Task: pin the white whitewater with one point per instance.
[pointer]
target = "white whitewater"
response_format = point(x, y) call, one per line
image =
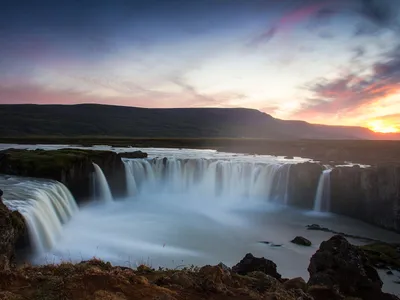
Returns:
point(102, 186)
point(130, 180)
point(323, 195)
point(209, 177)
point(45, 205)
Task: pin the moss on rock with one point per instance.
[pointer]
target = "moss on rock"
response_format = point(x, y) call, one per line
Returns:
point(383, 255)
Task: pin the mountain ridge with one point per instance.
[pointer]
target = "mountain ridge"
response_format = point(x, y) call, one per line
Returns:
point(112, 120)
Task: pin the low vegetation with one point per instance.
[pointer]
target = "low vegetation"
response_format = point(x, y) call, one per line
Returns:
point(336, 151)
point(42, 163)
point(383, 255)
point(96, 279)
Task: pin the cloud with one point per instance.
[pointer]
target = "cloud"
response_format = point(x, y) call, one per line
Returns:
point(189, 89)
point(359, 52)
point(317, 10)
point(116, 92)
point(326, 35)
point(381, 14)
point(344, 94)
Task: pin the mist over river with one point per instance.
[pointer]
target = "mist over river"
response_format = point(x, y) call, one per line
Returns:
point(192, 207)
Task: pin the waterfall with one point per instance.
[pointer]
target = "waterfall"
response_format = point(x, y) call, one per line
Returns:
point(323, 196)
point(102, 185)
point(209, 177)
point(45, 206)
point(130, 179)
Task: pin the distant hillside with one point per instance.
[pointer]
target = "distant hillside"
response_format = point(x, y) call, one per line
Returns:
point(107, 120)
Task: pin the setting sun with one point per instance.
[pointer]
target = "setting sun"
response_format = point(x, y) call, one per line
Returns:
point(383, 127)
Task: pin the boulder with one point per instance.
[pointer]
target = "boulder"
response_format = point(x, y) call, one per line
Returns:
point(299, 240)
point(320, 292)
point(295, 284)
point(338, 264)
point(251, 264)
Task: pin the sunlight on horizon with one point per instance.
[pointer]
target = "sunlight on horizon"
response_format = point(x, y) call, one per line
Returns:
point(382, 127)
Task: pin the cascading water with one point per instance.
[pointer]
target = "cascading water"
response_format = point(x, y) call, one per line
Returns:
point(323, 195)
point(45, 205)
point(102, 185)
point(208, 177)
point(130, 180)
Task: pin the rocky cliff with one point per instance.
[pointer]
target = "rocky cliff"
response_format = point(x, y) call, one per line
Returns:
point(370, 194)
point(303, 183)
point(72, 167)
point(12, 228)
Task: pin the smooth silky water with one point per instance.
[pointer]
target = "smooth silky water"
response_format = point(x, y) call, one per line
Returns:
point(197, 207)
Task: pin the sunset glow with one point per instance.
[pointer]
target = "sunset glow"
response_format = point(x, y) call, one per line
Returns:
point(330, 62)
point(382, 127)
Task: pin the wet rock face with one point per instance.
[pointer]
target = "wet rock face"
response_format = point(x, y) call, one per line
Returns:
point(252, 264)
point(338, 264)
point(72, 167)
point(303, 183)
point(114, 170)
point(12, 227)
point(370, 194)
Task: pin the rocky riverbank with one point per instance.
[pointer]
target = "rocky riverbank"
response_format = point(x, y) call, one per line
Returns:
point(338, 271)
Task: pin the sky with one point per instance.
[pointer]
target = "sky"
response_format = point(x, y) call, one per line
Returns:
point(331, 62)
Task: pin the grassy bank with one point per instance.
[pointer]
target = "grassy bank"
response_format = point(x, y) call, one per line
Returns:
point(360, 151)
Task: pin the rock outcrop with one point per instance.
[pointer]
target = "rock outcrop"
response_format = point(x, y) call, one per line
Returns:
point(255, 264)
point(299, 240)
point(303, 183)
point(134, 154)
point(369, 194)
point(72, 167)
point(338, 265)
point(12, 228)
point(95, 279)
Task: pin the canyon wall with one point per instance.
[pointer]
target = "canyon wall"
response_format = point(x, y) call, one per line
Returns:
point(303, 183)
point(369, 194)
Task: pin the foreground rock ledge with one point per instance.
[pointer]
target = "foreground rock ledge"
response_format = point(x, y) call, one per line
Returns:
point(97, 280)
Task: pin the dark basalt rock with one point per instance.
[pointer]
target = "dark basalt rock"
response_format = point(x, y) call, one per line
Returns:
point(339, 264)
point(72, 167)
point(12, 228)
point(369, 194)
point(303, 182)
point(134, 154)
point(324, 229)
point(299, 240)
point(252, 264)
